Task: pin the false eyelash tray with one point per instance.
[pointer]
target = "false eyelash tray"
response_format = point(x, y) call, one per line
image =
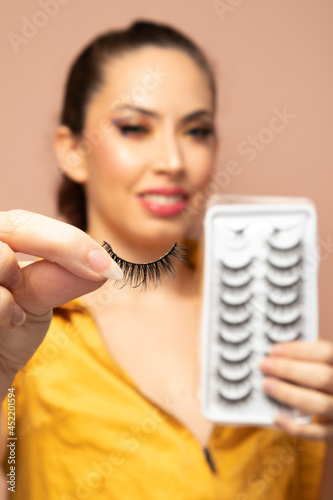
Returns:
point(260, 288)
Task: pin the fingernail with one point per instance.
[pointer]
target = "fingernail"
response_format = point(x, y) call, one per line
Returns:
point(269, 385)
point(101, 263)
point(19, 316)
point(266, 364)
point(277, 349)
point(281, 419)
point(17, 281)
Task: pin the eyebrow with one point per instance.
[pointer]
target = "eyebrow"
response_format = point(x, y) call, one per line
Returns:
point(191, 116)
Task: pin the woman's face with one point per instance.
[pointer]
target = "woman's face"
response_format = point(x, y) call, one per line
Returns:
point(148, 146)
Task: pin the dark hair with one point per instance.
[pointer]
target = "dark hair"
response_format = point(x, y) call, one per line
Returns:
point(86, 77)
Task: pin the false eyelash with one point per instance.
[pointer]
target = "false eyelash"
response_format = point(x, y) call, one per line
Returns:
point(236, 299)
point(293, 269)
point(272, 321)
point(236, 353)
point(234, 290)
point(283, 315)
point(294, 247)
point(233, 334)
point(236, 261)
point(234, 372)
point(282, 278)
point(285, 240)
point(235, 315)
point(235, 392)
point(283, 297)
point(234, 321)
point(284, 258)
point(239, 318)
point(238, 231)
point(236, 279)
point(140, 274)
point(283, 334)
point(238, 242)
point(234, 268)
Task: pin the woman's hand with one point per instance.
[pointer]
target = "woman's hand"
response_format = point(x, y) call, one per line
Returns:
point(73, 265)
point(309, 364)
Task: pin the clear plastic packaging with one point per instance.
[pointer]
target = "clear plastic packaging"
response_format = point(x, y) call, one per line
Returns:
point(260, 287)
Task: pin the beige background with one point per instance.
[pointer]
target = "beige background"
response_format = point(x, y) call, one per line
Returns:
point(269, 55)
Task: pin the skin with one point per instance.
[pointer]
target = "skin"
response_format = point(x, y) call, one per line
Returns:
point(113, 172)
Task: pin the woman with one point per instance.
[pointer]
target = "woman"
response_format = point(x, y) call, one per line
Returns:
point(108, 406)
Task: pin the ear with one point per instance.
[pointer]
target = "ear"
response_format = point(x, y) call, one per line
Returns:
point(70, 161)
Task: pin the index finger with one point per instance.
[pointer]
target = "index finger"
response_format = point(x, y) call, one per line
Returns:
point(57, 241)
point(321, 350)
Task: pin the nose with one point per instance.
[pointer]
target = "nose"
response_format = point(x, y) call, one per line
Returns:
point(168, 156)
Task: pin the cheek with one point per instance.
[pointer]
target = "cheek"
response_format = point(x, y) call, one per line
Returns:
point(114, 164)
point(201, 167)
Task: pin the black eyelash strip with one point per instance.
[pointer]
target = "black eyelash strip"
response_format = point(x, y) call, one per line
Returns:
point(137, 275)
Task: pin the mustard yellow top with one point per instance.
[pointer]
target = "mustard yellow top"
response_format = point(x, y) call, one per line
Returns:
point(84, 431)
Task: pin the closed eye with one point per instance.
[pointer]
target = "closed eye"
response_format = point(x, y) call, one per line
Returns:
point(200, 132)
point(197, 133)
point(132, 129)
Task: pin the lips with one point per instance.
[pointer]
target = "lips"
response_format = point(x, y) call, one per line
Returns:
point(164, 201)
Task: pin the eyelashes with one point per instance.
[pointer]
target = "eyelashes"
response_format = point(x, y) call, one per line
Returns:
point(236, 315)
point(287, 333)
point(201, 132)
point(234, 297)
point(235, 332)
point(283, 259)
point(234, 372)
point(283, 315)
point(235, 353)
point(137, 130)
point(288, 297)
point(279, 306)
point(137, 275)
point(235, 392)
point(132, 129)
point(236, 278)
point(284, 278)
point(286, 240)
point(260, 289)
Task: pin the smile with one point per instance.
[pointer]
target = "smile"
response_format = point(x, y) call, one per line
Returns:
point(164, 204)
point(163, 199)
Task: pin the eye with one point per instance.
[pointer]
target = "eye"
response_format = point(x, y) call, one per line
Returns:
point(132, 129)
point(200, 132)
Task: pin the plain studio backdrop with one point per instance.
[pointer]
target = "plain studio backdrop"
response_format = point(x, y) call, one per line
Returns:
point(272, 58)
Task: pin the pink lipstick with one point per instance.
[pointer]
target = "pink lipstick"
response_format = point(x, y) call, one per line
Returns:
point(164, 201)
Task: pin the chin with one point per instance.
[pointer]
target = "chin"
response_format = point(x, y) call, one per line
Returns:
point(160, 235)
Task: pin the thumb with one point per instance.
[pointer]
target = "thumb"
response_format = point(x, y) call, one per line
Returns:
point(46, 285)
